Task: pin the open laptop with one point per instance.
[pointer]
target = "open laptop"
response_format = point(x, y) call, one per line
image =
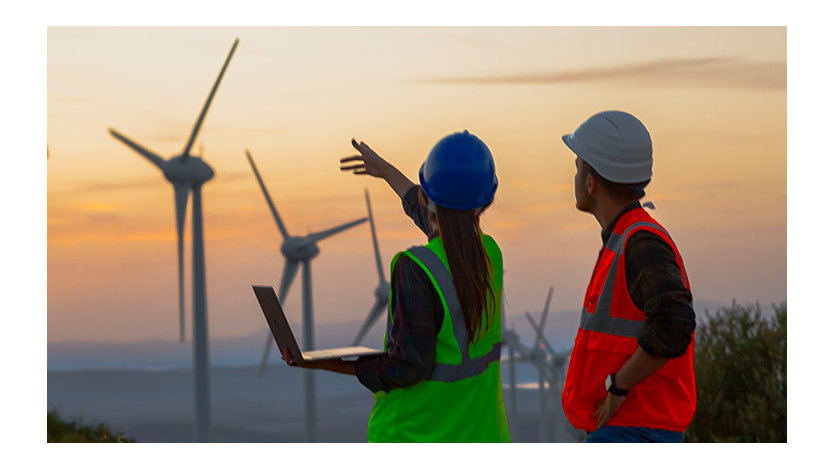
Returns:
point(285, 339)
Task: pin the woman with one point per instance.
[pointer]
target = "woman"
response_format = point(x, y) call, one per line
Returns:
point(440, 379)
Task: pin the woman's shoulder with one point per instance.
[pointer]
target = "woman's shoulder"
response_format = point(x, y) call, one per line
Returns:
point(403, 262)
point(490, 243)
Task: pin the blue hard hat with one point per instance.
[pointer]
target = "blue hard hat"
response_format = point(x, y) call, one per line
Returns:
point(459, 172)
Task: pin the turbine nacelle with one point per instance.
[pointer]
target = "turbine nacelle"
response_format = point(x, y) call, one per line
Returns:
point(538, 353)
point(187, 170)
point(382, 291)
point(298, 249)
point(510, 337)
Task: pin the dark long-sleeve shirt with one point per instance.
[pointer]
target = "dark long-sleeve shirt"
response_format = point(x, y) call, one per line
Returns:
point(417, 318)
point(654, 283)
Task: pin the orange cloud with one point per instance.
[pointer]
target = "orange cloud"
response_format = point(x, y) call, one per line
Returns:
point(713, 72)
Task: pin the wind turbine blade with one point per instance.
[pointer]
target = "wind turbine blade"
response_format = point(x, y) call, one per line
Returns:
point(152, 157)
point(546, 306)
point(318, 236)
point(536, 328)
point(290, 270)
point(376, 311)
point(265, 359)
point(540, 329)
point(275, 215)
point(373, 234)
point(199, 122)
point(180, 203)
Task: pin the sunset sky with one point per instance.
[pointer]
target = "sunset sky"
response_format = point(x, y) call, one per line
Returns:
point(713, 99)
point(741, 158)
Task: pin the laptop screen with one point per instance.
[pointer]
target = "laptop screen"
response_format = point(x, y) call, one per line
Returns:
point(277, 321)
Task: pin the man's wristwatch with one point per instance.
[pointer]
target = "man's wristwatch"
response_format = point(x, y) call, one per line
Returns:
point(611, 386)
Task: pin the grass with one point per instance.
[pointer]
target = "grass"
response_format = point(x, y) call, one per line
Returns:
point(61, 430)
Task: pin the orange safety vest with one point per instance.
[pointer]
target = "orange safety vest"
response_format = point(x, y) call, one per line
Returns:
point(607, 337)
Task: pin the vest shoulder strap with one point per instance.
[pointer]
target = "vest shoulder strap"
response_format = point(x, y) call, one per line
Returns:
point(442, 279)
point(601, 320)
point(616, 242)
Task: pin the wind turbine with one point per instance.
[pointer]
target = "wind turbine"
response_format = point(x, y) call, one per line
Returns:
point(297, 250)
point(512, 342)
point(557, 359)
point(188, 173)
point(539, 358)
point(382, 290)
point(557, 365)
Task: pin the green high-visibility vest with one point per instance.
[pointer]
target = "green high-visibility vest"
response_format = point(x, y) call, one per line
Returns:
point(463, 399)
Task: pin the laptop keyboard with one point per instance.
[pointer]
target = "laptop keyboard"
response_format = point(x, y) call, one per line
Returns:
point(322, 353)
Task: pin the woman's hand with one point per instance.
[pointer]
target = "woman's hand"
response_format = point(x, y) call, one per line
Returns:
point(285, 354)
point(333, 365)
point(369, 162)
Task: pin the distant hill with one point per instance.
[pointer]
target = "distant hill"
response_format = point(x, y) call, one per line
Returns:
point(560, 330)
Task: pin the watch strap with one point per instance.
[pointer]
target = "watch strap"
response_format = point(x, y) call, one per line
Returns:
point(611, 385)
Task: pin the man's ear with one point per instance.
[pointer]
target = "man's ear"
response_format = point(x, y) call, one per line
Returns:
point(591, 184)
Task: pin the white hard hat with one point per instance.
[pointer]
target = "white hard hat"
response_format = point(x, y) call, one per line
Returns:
point(616, 144)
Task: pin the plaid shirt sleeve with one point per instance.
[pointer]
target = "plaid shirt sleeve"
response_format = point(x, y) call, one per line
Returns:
point(655, 285)
point(417, 316)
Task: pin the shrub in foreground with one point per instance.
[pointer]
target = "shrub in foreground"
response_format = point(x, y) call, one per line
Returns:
point(741, 376)
point(60, 430)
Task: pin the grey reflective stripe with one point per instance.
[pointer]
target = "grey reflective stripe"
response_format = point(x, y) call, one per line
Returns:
point(601, 321)
point(616, 242)
point(444, 281)
point(469, 367)
point(604, 323)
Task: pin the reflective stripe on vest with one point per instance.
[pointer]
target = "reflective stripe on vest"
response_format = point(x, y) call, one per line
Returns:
point(469, 367)
point(601, 321)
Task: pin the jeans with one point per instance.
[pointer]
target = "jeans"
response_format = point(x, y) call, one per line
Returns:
point(633, 434)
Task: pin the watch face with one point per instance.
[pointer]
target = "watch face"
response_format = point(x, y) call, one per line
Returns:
point(607, 382)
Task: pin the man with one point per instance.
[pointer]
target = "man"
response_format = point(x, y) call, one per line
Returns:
point(630, 376)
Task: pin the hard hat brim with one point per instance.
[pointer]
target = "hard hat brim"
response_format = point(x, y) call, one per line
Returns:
point(616, 145)
point(568, 140)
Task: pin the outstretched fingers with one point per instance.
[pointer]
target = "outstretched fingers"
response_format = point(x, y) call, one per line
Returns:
point(346, 166)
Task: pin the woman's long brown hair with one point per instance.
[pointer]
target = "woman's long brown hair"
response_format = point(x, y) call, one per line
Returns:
point(469, 264)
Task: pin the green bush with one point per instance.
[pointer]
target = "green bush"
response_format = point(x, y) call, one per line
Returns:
point(741, 376)
point(59, 430)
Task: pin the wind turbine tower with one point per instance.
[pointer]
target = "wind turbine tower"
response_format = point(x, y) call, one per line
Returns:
point(382, 290)
point(539, 359)
point(297, 250)
point(187, 173)
point(512, 342)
